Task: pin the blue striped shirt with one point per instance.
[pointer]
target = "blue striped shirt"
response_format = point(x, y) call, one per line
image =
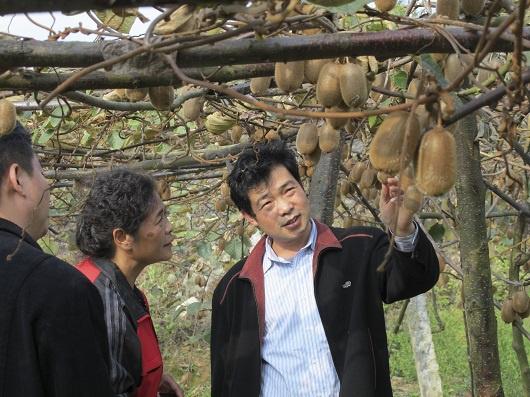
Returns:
point(296, 359)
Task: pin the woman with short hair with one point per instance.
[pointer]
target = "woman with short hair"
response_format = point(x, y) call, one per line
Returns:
point(123, 228)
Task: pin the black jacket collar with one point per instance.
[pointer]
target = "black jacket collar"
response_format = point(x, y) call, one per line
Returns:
point(10, 227)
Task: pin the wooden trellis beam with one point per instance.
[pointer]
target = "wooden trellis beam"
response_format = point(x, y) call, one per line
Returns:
point(384, 44)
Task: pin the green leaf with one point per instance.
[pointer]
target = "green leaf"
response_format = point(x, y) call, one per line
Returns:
point(372, 121)
point(437, 232)
point(204, 249)
point(400, 79)
point(233, 248)
point(115, 141)
point(46, 136)
point(193, 308)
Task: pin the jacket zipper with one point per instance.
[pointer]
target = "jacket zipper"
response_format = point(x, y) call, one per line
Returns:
point(373, 358)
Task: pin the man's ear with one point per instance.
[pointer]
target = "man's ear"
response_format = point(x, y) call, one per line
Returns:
point(14, 178)
point(249, 218)
point(122, 240)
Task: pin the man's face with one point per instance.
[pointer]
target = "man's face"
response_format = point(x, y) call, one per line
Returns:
point(281, 209)
point(37, 192)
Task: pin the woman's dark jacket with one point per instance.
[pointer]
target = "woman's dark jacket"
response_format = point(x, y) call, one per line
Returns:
point(349, 293)
point(53, 340)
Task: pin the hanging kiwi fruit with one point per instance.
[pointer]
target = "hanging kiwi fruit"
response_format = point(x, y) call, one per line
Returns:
point(472, 7)
point(385, 150)
point(8, 117)
point(328, 138)
point(136, 94)
point(353, 85)
point(336, 123)
point(328, 85)
point(454, 64)
point(235, 133)
point(289, 75)
point(436, 162)
point(508, 315)
point(161, 97)
point(312, 69)
point(260, 85)
point(307, 138)
point(448, 8)
point(520, 301)
point(357, 171)
point(385, 5)
point(413, 199)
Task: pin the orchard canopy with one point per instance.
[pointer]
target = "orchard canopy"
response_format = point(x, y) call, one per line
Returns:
point(435, 92)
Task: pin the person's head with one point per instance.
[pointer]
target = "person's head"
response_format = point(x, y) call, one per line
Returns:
point(265, 186)
point(24, 191)
point(123, 214)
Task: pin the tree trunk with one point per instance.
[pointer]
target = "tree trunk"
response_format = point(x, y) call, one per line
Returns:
point(323, 188)
point(423, 348)
point(474, 254)
point(517, 336)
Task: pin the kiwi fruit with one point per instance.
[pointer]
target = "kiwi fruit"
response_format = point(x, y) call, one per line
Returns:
point(345, 188)
point(448, 8)
point(8, 117)
point(508, 315)
point(385, 5)
point(310, 171)
point(520, 301)
point(307, 138)
point(312, 69)
point(526, 313)
point(413, 199)
point(454, 64)
point(259, 85)
point(272, 135)
point(336, 123)
point(406, 177)
point(386, 148)
point(235, 133)
point(353, 85)
point(163, 189)
point(328, 138)
point(225, 190)
point(368, 178)
point(301, 170)
point(312, 158)
point(357, 171)
point(136, 94)
point(289, 75)
point(436, 162)
point(472, 7)
point(221, 204)
point(328, 85)
point(191, 109)
point(161, 97)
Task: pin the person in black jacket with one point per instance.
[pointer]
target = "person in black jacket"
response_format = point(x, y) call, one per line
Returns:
point(52, 333)
point(302, 315)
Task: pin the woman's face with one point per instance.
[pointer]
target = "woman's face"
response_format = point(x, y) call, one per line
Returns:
point(152, 243)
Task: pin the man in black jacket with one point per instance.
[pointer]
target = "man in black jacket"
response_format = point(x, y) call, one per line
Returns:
point(52, 333)
point(303, 314)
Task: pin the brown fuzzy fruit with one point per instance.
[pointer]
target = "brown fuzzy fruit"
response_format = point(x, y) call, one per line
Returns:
point(472, 7)
point(259, 85)
point(310, 171)
point(163, 189)
point(161, 97)
point(413, 199)
point(436, 164)
point(406, 178)
point(191, 109)
point(328, 138)
point(272, 135)
point(8, 117)
point(312, 69)
point(382, 177)
point(526, 313)
point(289, 75)
point(368, 178)
point(353, 85)
point(385, 5)
point(336, 122)
point(508, 315)
point(312, 158)
point(386, 148)
point(448, 8)
point(520, 301)
point(328, 85)
point(221, 205)
point(345, 188)
point(454, 64)
point(357, 171)
point(235, 133)
point(136, 94)
point(307, 138)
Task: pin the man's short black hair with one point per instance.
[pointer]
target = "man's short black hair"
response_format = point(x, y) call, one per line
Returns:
point(119, 199)
point(15, 148)
point(254, 167)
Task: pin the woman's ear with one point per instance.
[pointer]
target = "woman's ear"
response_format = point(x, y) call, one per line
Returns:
point(122, 240)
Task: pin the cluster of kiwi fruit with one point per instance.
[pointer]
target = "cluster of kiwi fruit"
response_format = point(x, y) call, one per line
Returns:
point(160, 97)
point(517, 305)
point(451, 8)
point(8, 117)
